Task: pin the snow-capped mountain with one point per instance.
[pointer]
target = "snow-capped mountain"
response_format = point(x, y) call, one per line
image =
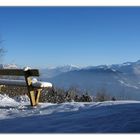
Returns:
point(8, 66)
point(51, 72)
point(121, 80)
point(127, 67)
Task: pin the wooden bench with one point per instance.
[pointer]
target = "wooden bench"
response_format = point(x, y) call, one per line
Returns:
point(34, 86)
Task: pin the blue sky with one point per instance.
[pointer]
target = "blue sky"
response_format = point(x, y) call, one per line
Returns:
point(52, 36)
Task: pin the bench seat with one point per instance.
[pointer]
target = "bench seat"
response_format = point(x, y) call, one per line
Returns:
point(35, 84)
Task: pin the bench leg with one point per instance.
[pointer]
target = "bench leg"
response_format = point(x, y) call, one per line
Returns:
point(32, 98)
point(37, 96)
point(33, 95)
point(30, 89)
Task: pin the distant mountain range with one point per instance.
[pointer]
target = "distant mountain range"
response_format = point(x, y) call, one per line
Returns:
point(51, 72)
point(121, 80)
point(8, 66)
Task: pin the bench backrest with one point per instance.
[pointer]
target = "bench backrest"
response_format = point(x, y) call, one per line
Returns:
point(19, 72)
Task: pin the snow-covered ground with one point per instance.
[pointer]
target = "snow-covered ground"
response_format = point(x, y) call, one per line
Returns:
point(16, 116)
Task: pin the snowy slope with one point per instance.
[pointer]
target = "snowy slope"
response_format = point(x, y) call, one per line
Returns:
point(106, 117)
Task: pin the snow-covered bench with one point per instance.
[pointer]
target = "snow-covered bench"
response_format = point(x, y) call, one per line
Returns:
point(33, 85)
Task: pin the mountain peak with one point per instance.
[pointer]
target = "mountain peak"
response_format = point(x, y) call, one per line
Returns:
point(9, 66)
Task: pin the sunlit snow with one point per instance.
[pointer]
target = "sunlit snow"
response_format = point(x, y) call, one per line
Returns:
point(17, 116)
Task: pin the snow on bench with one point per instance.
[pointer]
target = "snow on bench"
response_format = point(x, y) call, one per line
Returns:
point(35, 83)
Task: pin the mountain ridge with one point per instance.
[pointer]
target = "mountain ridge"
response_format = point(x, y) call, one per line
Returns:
point(121, 80)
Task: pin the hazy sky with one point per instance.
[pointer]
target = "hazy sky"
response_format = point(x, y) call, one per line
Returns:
point(52, 36)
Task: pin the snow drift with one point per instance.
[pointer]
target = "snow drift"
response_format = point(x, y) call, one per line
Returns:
point(16, 116)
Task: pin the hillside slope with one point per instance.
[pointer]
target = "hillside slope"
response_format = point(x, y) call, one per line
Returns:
point(115, 83)
point(105, 117)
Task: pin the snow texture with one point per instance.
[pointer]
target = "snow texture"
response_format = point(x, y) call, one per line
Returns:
point(35, 83)
point(16, 116)
point(26, 68)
